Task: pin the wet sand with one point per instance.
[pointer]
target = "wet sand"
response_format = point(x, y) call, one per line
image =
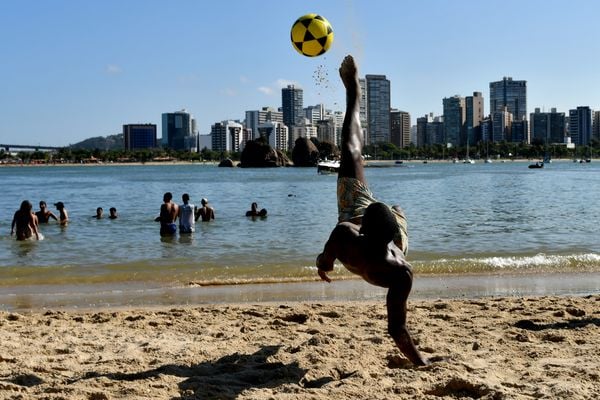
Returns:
point(485, 348)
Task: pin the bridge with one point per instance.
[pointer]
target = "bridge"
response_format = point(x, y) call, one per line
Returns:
point(16, 147)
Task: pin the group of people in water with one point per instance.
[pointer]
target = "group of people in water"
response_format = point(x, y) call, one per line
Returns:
point(25, 223)
point(188, 214)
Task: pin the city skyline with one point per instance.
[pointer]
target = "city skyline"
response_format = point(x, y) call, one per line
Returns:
point(74, 71)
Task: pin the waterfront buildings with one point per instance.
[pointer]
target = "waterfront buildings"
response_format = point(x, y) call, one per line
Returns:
point(473, 118)
point(511, 94)
point(227, 136)
point(378, 108)
point(501, 125)
point(400, 128)
point(139, 136)
point(292, 99)
point(547, 127)
point(304, 130)
point(580, 126)
point(276, 134)
point(596, 125)
point(257, 117)
point(178, 131)
point(454, 120)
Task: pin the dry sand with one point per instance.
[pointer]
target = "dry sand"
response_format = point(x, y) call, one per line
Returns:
point(489, 348)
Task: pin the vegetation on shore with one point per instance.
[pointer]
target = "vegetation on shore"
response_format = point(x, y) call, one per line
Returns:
point(380, 151)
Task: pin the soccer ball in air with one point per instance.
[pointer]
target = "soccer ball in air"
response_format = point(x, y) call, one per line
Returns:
point(311, 35)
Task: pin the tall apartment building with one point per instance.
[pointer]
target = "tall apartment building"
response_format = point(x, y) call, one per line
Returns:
point(511, 94)
point(473, 118)
point(314, 113)
point(139, 136)
point(454, 120)
point(257, 117)
point(501, 125)
point(400, 128)
point(327, 130)
point(227, 136)
point(364, 121)
point(580, 125)
point(292, 99)
point(378, 108)
point(520, 131)
point(305, 130)
point(178, 130)
point(547, 127)
point(276, 133)
point(596, 125)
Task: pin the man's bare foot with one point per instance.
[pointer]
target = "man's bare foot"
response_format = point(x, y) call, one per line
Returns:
point(348, 73)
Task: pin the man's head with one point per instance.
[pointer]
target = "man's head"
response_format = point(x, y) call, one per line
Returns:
point(185, 197)
point(42, 204)
point(204, 202)
point(379, 223)
point(167, 197)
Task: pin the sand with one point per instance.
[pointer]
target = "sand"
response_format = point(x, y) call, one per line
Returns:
point(486, 348)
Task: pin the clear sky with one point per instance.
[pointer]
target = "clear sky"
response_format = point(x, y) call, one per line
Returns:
point(71, 69)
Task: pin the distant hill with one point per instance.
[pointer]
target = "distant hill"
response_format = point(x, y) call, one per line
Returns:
point(111, 142)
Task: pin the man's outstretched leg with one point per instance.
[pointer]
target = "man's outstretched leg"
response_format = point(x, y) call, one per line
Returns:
point(352, 137)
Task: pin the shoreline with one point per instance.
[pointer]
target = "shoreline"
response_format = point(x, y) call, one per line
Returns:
point(376, 163)
point(425, 287)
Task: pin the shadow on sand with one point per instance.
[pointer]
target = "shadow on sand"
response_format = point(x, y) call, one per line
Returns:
point(224, 378)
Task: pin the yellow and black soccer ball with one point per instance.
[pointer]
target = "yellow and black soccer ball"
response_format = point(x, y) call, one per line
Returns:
point(311, 35)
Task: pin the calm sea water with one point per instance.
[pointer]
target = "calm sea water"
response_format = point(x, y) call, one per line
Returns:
point(482, 218)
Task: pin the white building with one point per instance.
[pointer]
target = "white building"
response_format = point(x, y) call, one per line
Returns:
point(276, 134)
point(304, 130)
point(227, 136)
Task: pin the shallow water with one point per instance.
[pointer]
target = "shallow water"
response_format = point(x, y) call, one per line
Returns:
point(482, 218)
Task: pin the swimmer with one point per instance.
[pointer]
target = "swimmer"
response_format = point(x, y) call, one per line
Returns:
point(168, 215)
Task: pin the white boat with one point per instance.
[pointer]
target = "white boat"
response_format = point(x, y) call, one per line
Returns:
point(328, 167)
point(488, 160)
point(468, 161)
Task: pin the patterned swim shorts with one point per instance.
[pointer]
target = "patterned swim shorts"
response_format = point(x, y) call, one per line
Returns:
point(353, 199)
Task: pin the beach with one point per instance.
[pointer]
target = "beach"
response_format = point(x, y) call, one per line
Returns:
point(484, 348)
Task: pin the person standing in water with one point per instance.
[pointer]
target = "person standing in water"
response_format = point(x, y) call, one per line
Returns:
point(186, 215)
point(25, 222)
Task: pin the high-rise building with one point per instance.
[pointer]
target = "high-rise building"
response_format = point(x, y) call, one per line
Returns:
point(378, 108)
point(292, 105)
point(400, 128)
point(305, 130)
point(501, 125)
point(177, 130)
point(596, 125)
point(139, 136)
point(473, 118)
point(257, 117)
point(454, 120)
point(314, 113)
point(520, 131)
point(422, 129)
point(580, 125)
point(547, 127)
point(363, 114)
point(276, 134)
point(327, 130)
point(227, 136)
point(511, 94)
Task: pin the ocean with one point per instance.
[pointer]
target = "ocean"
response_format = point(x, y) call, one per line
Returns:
point(494, 221)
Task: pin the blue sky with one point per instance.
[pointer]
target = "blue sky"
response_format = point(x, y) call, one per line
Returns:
point(70, 70)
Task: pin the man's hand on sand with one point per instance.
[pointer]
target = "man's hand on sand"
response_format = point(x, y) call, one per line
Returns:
point(324, 276)
point(322, 268)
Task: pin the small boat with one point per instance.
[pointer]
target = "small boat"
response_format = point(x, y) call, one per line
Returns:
point(468, 161)
point(328, 167)
point(538, 164)
point(488, 160)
